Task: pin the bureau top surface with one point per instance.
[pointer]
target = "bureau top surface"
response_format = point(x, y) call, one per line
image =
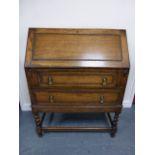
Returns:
point(69, 48)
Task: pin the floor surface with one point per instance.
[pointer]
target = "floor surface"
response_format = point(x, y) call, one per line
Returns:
point(78, 143)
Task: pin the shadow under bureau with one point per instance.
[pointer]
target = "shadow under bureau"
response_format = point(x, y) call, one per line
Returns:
point(76, 70)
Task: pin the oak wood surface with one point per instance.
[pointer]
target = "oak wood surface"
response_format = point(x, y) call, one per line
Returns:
point(79, 129)
point(102, 79)
point(69, 47)
point(76, 70)
point(77, 48)
point(74, 78)
point(75, 109)
point(77, 98)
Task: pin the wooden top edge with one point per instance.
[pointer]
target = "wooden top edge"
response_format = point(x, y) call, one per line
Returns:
point(76, 30)
point(37, 28)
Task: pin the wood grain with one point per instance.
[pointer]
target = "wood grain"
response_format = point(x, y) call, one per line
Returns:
point(111, 97)
point(67, 47)
point(77, 48)
point(74, 71)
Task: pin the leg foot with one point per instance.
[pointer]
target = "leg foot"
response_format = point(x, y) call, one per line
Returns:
point(39, 131)
point(113, 134)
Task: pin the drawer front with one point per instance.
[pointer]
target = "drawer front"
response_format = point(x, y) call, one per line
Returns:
point(77, 79)
point(78, 98)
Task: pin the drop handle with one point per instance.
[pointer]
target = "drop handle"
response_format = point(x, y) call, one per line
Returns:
point(50, 80)
point(104, 81)
point(101, 99)
point(51, 99)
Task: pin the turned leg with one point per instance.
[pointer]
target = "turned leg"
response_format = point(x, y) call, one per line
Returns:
point(114, 124)
point(38, 123)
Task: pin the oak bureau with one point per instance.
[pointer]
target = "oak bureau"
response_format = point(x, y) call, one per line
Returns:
point(76, 70)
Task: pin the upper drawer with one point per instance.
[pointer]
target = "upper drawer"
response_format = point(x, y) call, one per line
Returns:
point(49, 79)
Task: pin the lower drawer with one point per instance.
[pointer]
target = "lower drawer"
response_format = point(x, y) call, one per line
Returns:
point(109, 97)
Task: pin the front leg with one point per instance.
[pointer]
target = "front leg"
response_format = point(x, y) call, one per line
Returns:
point(38, 123)
point(114, 124)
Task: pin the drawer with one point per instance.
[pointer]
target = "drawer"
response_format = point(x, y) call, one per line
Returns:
point(111, 97)
point(77, 79)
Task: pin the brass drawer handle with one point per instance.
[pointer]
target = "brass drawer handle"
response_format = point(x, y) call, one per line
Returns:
point(101, 99)
point(50, 81)
point(51, 99)
point(104, 81)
